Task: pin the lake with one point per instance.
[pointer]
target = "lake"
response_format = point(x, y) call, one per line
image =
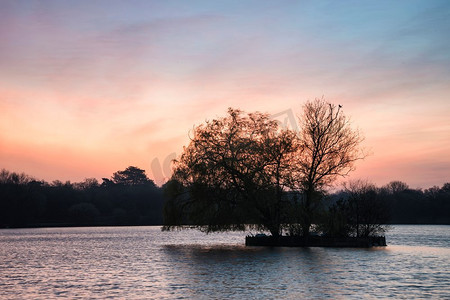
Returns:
point(145, 263)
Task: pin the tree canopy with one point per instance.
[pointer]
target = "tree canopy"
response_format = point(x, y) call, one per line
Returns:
point(236, 168)
point(131, 176)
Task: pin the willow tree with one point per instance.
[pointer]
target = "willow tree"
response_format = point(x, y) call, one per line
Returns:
point(328, 149)
point(234, 172)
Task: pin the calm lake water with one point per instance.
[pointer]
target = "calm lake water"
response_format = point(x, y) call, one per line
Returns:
point(145, 263)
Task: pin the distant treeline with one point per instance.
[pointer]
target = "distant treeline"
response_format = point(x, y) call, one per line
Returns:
point(414, 206)
point(129, 197)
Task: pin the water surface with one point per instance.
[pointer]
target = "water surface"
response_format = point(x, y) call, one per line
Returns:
point(143, 263)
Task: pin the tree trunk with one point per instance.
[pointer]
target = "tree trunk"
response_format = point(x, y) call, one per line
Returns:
point(306, 218)
point(275, 232)
point(306, 225)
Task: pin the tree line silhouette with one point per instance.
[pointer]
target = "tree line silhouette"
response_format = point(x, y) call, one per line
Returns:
point(27, 202)
point(239, 171)
point(129, 197)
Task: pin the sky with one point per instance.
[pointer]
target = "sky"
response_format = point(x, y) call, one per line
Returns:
point(88, 88)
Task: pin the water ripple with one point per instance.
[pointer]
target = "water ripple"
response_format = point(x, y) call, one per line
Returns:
point(145, 263)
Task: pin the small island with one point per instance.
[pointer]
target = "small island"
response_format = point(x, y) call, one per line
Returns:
point(315, 241)
point(245, 171)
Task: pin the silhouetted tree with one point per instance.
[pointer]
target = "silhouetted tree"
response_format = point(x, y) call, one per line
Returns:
point(131, 176)
point(367, 212)
point(329, 147)
point(107, 182)
point(396, 186)
point(446, 187)
point(88, 183)
point(7, 177)
point(235, 169)
point(334, 221)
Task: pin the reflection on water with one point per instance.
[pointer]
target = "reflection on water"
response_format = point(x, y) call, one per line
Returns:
point(143, 262)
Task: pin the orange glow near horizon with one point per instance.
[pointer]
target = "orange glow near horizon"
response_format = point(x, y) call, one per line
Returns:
point(87, 92)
